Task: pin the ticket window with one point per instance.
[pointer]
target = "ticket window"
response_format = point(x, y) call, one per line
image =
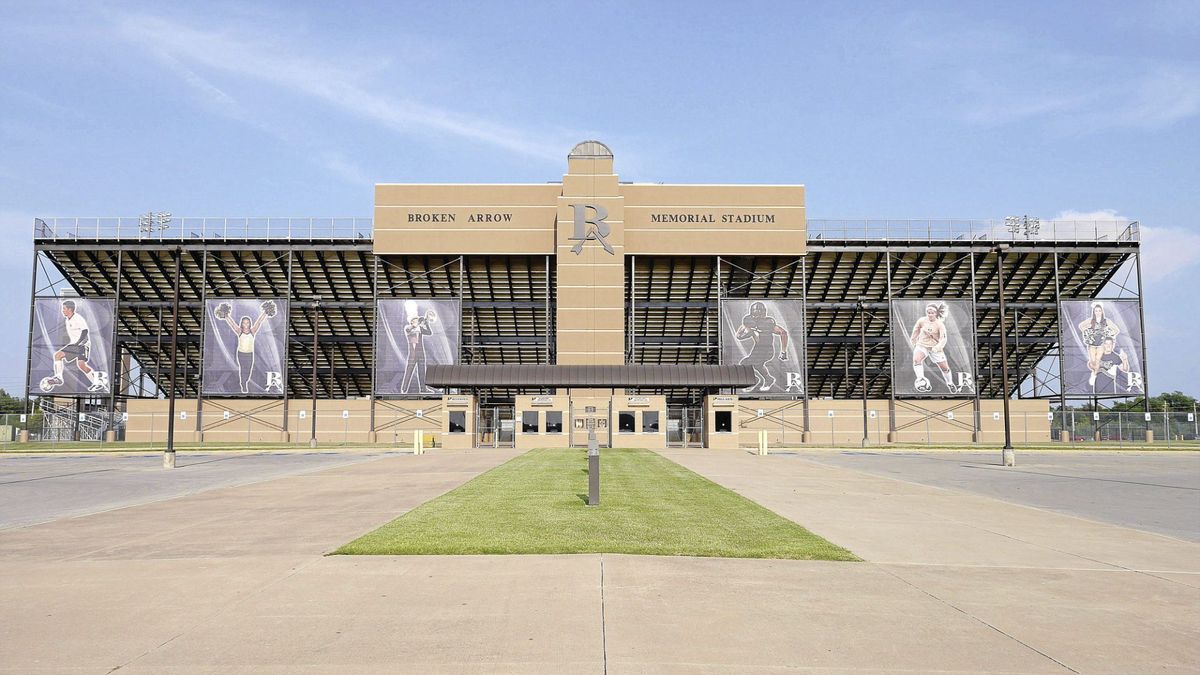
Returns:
point(554, 422)
point(723, 424)
point(649, 421)
point(626, 421)
point(529, 422)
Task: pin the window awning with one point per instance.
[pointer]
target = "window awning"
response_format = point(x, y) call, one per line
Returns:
point(547, 375)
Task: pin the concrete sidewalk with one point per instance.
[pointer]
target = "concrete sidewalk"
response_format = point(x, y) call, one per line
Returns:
point(234, 579)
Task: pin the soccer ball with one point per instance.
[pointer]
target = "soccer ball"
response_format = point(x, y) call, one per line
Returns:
point(45, 384)
point(923, 386)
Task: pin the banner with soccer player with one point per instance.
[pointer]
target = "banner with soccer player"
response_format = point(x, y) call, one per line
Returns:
point(766, 335)
point(71, 353)
point(933, 347)
point(1102, 347)
point(245, 346)
point(410, 336)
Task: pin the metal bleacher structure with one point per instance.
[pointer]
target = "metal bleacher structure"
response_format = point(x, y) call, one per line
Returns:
point(851, 268)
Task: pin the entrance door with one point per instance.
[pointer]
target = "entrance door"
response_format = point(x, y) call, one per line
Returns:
point(685, 427)
point(495, 426)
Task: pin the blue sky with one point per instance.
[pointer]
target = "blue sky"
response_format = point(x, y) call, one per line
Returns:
point(890, 110)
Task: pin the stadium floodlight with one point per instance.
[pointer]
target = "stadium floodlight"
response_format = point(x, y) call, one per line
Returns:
point(154, 221)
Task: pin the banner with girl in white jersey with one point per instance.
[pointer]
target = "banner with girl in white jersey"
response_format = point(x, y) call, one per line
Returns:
point(245, 346)
point(933, 347)
point(71, 353)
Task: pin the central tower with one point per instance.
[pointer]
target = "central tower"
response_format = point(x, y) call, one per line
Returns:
point(590, 258)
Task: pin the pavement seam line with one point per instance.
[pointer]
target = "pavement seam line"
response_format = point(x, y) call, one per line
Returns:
point(603, 623)
point(975, 618)
point(227, 606)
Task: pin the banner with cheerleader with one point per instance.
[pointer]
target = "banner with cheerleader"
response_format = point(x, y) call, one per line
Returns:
point(245, 347)
point(933, 347)
point(71, 353)
point(768, 336)
point(1101, 348)
point(411, 335)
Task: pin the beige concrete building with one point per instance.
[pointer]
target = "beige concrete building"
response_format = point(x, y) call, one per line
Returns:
point(652, 314)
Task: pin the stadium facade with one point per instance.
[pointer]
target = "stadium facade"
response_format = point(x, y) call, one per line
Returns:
point(530, 314)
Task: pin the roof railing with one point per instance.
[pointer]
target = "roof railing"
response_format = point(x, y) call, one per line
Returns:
point(348, 228)
point(1009, 229)
point(185, 228)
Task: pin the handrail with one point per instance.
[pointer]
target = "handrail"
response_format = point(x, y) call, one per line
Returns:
point(184, 228)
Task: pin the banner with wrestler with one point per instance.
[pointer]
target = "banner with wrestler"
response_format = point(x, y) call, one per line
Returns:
point(71, 353)
point(1102, 347)
point(410, 336)
point(933, 347)
point(245, 346)
point(766, 335)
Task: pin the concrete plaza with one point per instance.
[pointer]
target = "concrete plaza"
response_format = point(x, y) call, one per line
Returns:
point(217, 577)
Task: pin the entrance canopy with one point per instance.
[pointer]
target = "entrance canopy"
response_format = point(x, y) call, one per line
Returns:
point(590, 376)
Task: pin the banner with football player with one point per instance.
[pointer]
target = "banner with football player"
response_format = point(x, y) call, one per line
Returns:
point(245, 346)
point(1102, 347)
point(766, 335)
point(71, 353)
point(410, 336)
point(933, 347)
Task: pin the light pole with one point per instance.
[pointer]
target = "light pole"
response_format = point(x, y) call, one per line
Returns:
point(316, 306)
point(862, 336)
point(169, 453)
point(1008, 456)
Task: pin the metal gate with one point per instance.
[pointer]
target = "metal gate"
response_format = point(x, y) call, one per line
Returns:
point(495, 426)
point(685, 427)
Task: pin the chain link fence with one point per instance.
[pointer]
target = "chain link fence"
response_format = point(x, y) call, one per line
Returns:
point(1086, 426)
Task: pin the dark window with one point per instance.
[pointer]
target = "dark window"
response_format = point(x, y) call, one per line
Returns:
point(625, 422)
point(649, 421)
point(458, 422)
point(554, 421)
point(724, 421)
point(529, 422)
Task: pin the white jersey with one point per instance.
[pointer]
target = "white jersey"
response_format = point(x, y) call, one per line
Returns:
point(75, 327)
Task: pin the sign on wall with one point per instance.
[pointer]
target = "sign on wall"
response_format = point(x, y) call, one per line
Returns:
point(71, 350)
point(766, 335)
point(1102, 347)
point(933, 347)
point(245, 346)
point(410, 336)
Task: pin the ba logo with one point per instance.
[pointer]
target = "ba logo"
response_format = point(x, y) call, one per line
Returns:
point(591, 226)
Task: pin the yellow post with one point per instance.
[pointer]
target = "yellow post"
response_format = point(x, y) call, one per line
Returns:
point(417, 442)
point(762, 442)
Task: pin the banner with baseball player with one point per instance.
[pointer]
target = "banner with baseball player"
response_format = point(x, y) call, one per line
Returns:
point(71, 353)
point(933, 347)
point(766, 335)
point(410, 336)
point(1102, 347)
point(245, 346)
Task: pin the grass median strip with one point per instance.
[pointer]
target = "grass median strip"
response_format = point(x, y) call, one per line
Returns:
point(536, 503)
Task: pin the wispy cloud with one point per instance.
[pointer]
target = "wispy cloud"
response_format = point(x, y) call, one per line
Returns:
point(1166, 251)
point(267, 59)
point(995, 77)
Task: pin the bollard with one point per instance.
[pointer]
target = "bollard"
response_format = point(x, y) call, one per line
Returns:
point(593, 469)
point(762, 442)
point(417, 442)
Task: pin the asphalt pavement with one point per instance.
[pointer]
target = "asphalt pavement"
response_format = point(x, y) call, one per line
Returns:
point(1151, 491)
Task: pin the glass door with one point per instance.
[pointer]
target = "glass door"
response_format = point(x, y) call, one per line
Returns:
point(685, 427)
